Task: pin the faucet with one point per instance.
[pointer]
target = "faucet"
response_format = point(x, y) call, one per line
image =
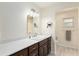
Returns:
point(35, 34)
point(29, 35)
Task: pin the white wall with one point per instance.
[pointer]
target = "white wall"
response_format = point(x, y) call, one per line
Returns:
point(47, 16)
point(37, 21)
point(14, 20)
point(50, 11)
point(0, 28)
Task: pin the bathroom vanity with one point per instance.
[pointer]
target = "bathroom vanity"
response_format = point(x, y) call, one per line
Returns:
point(39, 46)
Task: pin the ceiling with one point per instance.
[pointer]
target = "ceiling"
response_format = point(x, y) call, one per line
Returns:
point(44, 4)
point(56, 4)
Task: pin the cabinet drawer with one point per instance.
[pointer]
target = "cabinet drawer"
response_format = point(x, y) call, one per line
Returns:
point(43, 42)
point(34, 53)
point(33, 47)
point(23, 52)
point(45, 49)
point(41, 51)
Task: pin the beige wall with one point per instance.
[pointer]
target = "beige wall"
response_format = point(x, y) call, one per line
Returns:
point(47, 16)
point(60, 29)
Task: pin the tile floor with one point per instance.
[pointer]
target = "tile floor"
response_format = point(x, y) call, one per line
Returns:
point(64, 51)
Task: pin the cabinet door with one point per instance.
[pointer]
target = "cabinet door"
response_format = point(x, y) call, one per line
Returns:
point(49, 45)
point(43, 42)
point(41, 51)
point(34, 53)
point(33, 50)
point(23, 52)
point(45, 50)
point(43, 47)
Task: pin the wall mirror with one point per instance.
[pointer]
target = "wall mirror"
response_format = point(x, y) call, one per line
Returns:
point(33, 23)
point(29, 24)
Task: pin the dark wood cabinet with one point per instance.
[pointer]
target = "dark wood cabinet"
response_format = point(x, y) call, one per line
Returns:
point(45, 49)
point(23, 52)
point(33, 50)
point(41, 51)
point(41, 48)
point(49, 45)
point(34, 53)
point(43, 42)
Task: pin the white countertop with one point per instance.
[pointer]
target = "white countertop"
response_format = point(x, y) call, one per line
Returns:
point(14, 46)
